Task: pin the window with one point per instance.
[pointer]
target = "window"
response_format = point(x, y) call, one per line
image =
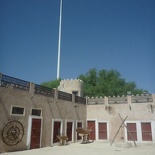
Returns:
point(17, 110)
point(75, 93)
point(146, 131)
point(132, 130)
point(36, 112)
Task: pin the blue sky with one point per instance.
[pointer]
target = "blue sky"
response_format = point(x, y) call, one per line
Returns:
point(101, 34)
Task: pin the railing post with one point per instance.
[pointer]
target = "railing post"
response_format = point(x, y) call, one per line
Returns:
point(86, 100)
point(32, 88)
point(129, 99)
point(106, 100)
point(1, 77)
point(153, 96)
point(73, 98)
point(56, 93)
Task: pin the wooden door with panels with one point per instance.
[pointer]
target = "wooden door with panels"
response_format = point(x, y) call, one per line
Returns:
point(69, 130)
point(102, 130)
point(56, 131)
point(132, 128)
point(91, 125)
point(146, 131)
point(79, 125)
point(35, 133)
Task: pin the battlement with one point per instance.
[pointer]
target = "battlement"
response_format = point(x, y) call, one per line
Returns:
point(144, 98)
point(74, 86)
point(71, 80)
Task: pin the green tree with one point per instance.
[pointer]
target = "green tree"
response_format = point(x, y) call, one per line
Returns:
point(102, 83)
point(51, 84)
point(107, 83)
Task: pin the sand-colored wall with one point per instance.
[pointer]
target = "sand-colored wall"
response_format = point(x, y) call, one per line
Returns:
point(71, 85)
point(107, 109)
point(133, 112)
point(52, 108)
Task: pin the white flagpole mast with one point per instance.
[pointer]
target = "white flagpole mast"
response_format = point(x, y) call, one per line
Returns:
point(59, 42)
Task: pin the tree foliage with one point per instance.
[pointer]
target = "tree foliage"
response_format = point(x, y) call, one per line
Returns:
point(102, 83)
point(107, 83)
point(51, 84)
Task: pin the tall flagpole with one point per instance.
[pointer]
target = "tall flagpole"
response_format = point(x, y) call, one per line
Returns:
point(59, 42)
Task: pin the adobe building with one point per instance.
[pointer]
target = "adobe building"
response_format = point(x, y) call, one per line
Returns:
point(133, 117)
point(32, 116)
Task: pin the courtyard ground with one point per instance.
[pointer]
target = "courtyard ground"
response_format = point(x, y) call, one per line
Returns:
point(95, 148)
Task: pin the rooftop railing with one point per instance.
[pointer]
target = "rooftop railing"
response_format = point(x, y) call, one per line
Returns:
point(14, 82)
point(42, 90)
point(64, 96)
point(79, 99)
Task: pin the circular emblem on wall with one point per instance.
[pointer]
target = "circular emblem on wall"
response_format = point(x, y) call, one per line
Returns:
point(12, 133)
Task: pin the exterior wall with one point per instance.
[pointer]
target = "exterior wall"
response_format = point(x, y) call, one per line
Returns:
point(71, 85)
point(108, 110)
point(52, 109)
point(55, 105)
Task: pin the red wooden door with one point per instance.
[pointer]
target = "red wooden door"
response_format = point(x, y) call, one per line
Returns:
point(102, 127)
point(69, 131)
point(146, 131)
point(133, 130)
point(79, 125)
point(91, 125)
point(56, 131)
point(35, 133)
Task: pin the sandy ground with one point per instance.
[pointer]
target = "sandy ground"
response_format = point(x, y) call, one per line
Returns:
point(95, 148)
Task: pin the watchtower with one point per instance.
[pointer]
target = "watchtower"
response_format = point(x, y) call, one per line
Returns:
point(72, 86)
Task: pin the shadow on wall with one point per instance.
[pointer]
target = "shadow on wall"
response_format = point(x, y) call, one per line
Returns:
point(76, 107)
point(49, 104)
point(3, 108)
point(59, 109)
point(32, 100)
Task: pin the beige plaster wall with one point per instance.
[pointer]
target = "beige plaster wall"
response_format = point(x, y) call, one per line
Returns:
point(71, 85)
point(52, 108)
point(134, 111)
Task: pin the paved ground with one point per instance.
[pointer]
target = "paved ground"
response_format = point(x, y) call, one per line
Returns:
point(95, 148)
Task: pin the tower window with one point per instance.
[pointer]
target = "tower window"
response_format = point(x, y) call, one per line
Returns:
point(75, 93)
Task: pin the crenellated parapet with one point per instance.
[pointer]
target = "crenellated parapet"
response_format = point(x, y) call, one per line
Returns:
point(96, 100)
point(143, 98)
point(117, 100)
point(74, 86)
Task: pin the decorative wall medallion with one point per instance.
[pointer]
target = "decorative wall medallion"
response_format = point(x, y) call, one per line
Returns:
point(12, 133)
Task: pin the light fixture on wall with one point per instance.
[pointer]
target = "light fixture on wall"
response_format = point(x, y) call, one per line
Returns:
point(108, 108)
